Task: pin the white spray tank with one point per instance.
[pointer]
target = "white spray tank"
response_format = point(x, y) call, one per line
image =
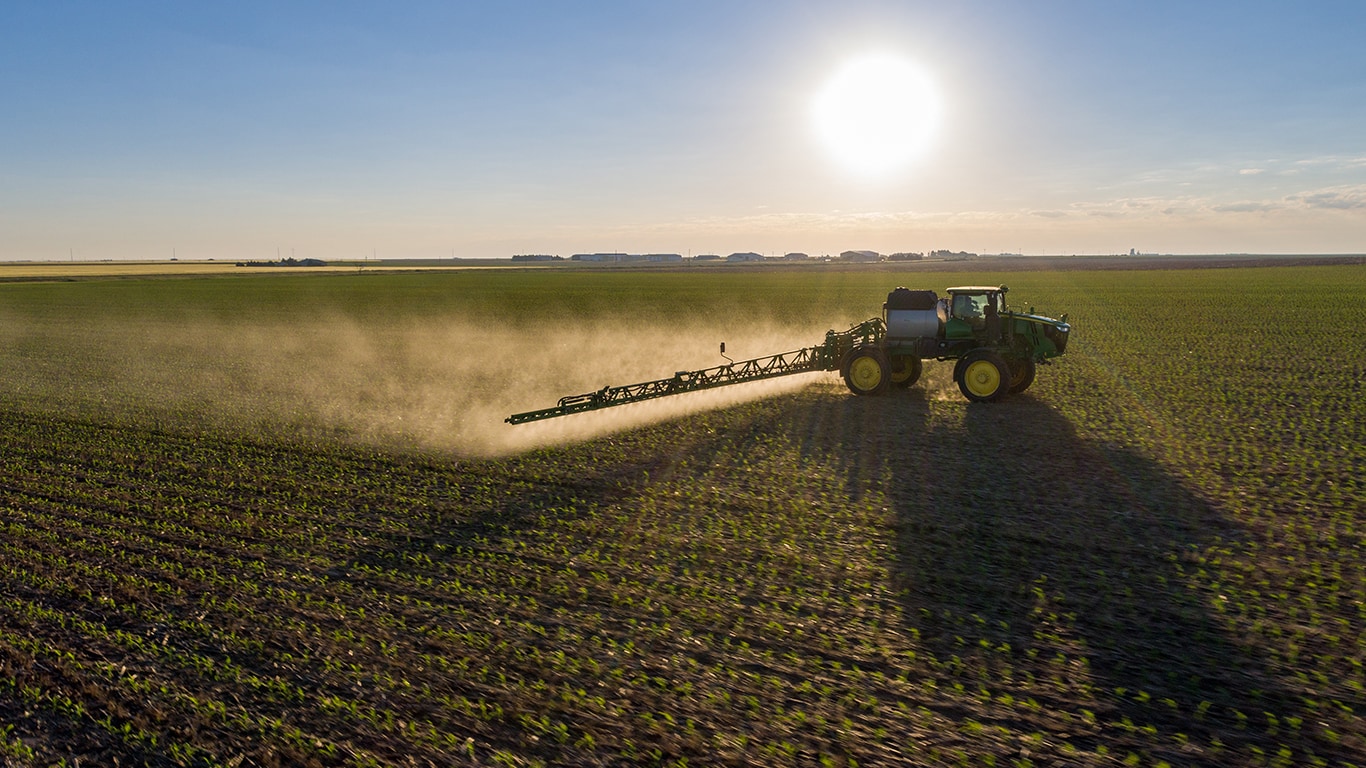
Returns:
point(912, 314)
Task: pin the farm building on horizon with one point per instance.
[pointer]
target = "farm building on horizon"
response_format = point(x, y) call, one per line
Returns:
point(619, 257)
point(861, 257)
point(745, 256)
point(286, 262)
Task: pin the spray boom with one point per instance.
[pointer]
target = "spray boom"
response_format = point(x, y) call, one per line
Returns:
point(823, 357)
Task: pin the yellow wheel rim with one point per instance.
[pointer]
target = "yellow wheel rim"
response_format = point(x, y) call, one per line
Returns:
point(903, 374)
point(982, 378)
point(866, 373)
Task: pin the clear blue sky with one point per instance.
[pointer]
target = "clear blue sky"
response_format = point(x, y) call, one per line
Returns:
point(431, 129)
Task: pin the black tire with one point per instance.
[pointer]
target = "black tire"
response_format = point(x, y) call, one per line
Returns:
point(982, 376)
point(906, 371)
point(1021, 374)
point(866, 372)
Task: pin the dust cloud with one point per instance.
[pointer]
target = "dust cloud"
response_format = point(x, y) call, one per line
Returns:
point(442, 386)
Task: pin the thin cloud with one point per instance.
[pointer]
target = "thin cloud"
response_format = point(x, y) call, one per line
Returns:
point(1086, 216)
point(1339, 198)
point(1246, 207)
point(1333, 162)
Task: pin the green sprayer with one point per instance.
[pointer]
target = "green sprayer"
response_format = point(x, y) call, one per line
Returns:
point(996, 350)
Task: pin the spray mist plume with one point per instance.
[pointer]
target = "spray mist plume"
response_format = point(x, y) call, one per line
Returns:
point(442, 386)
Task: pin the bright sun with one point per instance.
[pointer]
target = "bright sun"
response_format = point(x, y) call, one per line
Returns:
point(876, 114)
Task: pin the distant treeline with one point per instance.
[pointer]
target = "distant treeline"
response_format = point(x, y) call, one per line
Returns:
point(289, 262)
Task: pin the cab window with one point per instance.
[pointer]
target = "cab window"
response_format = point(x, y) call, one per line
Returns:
point(967, 307)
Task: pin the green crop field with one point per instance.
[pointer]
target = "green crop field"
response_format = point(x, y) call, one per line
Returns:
point(277, 520)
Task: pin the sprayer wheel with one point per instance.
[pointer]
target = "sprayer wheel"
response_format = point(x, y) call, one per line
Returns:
point(1021, 374)
point(866, 371)
point(982, 376)
point(906, 371)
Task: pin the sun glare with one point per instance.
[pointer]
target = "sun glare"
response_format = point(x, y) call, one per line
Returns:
point(876, 114)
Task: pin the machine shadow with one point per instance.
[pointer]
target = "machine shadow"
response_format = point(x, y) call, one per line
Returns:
point(1008, 530)
point(1012, 531)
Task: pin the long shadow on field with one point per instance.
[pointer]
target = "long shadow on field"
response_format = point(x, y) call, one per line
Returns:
point(1011, 528)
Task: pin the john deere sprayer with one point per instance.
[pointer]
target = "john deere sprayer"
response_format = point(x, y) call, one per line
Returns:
point(996, 350)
